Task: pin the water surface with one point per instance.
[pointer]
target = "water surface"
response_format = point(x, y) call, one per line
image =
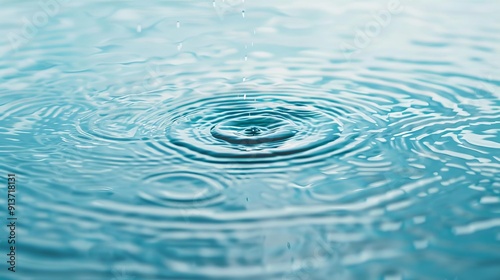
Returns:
point(257, 140)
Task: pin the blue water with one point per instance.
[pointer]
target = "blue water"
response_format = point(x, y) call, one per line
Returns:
point(260, 139)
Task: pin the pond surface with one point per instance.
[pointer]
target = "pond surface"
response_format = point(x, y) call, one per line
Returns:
point(252, 140)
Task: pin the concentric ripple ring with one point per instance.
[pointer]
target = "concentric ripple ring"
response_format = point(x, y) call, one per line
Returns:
point(259, 128)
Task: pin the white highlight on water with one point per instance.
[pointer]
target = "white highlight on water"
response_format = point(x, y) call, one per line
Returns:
point(178, 24)
point(139, 28)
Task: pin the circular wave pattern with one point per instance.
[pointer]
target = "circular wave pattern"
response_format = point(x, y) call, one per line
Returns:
point(260, 126)
point(109, 126)
point(313, 166)
point(254, 130)
point(180, 188)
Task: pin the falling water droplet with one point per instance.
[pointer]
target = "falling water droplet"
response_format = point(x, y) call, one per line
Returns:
point(213, 3)
point(178, 24)
point(244, 79)
point(243, 13)
point(139, 28)
point(246, 58)
point(245, 96)
point(179, 46)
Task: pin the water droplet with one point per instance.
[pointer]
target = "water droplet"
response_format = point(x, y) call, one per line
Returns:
point(244, 79)
point(252, 131)
point(213, 3)
point(245, 96)
point(288, 245)
point(246, 58)
point(243, 13)
point(139, 28)
point(179, 46)
point(178, 24)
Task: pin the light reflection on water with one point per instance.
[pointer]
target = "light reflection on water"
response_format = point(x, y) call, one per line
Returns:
point(253, 140)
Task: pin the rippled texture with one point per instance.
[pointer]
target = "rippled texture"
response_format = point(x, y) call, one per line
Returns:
point(225, 126)
point(257, 140)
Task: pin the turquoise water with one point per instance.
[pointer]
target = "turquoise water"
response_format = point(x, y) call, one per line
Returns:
point(252, 140)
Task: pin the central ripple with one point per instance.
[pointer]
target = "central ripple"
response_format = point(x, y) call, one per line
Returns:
point(227, 129)
point(254, 130)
